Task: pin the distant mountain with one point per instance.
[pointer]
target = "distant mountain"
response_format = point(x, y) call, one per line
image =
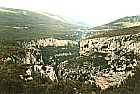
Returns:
point(65, 19)
point(128, 21)
point(17, 24)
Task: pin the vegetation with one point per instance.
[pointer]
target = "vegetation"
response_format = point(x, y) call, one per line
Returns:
point(120, 23)
point(10, 83)
point(92, 60)
point(130, 86)
point(9, 48)
point(112, 33)
point(24, 24)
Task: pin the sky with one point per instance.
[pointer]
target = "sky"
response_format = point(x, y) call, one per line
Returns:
point(92, 12)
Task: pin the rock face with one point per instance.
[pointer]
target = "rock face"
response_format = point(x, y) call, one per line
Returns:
point(44, 42)
point(107, 45)
point(27, 56)
point(31, 53)
point(45, 71)
point(32, 56)
point(108, 61)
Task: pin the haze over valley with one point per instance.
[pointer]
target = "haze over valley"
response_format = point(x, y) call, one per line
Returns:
point(49, 52)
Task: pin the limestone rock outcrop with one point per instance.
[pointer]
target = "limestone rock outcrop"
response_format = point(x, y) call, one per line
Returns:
point(108, 61)
point(109, 44)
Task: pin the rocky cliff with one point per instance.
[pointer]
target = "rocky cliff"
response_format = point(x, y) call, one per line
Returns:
point(31, 55)
point(110, 44)
point(31, 50)
point(105, 61)
point(44, 42)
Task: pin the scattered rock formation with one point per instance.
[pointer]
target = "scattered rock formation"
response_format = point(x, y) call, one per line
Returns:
point(109, 61)
point(109, 44)
point(44, 42)
point(45, 71)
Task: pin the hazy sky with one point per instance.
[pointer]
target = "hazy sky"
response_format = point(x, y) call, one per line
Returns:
point(93, 12)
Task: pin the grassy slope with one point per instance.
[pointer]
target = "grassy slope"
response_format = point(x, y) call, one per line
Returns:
point(32, 26)
point(117, 24)
point(112, 33)
point(38, 25)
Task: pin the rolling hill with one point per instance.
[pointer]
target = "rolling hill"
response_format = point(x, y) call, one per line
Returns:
point(128, 21)
point(17, 24)
point(112, 33)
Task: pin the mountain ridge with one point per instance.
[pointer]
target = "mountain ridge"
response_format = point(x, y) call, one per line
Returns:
point(127, 21)
point(25, 24)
